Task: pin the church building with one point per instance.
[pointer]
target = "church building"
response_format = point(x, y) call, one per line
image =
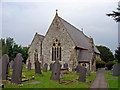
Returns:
point(66, 43)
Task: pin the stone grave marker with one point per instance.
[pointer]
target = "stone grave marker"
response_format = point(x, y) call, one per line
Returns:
point(77, 68)
point(29, 65)
point(17, 69)
point(66, 66)
point(37, 67)
point(45, 67)
point(82, 74)
point(51, 65)
point(1, 70)
point(5, 64)
point(11, 64)
point(56, 71)
point(116, 70)
point(88, 73)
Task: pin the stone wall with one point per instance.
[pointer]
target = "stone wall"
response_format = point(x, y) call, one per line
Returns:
point(61, 34)
point(36, 44)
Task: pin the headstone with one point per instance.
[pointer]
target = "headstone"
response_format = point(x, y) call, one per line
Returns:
point(5, 63)
point(29, 65)
point(77, 68)
point(17, 69)
point(62, 76)
point(11, 64)
point(56, 71)
point(88, 73)
point(51, 65)
point(1, 70)
point(116, 70)
point(37, 67)
point(82, 74)
point(45, 67)
point(66, 66)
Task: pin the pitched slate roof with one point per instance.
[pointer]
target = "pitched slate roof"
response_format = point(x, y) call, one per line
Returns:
point(80, 39)
point(84, 56)
point(76, 35)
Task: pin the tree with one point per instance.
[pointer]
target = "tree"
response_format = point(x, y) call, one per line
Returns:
point(106, 54)
point(10, 44)
point(117, 54)
point(115, 14)
point(25, 54)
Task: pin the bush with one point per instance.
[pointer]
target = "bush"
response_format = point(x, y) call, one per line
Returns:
point(100, 64)
point(109, 65)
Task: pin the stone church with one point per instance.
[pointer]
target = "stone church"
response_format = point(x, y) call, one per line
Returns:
point(66, 43)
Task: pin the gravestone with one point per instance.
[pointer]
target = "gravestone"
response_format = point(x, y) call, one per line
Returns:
point(5, 64)
point(77, 68)
point(1, 70)
point(88, 73)
point(29, 65)
point(56, 71)
point(82, 74)
point(37, 67)
point(116, 70)
point(51, 65)
point(17, 69)
point(45, 67)
point(62, 76)
point(66, 66)
point(11, 64)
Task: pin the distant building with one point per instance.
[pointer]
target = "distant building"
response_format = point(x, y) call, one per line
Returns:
point(65, 42)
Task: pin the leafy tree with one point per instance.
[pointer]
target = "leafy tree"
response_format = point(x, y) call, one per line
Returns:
point(106, 54)
point(100, 64)
point(117, 54)
point(115, 14)
point(10, 43)
point(25, 54)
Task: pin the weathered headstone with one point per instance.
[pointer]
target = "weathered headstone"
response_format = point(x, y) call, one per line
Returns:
point(82, 74)
point(56, 71)
point(1, 70)
point(29, 65)
point(37, 67)
point(45, 67)
point(51, 65)
point(116, 70)
point(88, 73)
point(62, 76)
point(5, 63)
point(17, 69)
point(77, 68)
point(11, 64)
point(66, 66)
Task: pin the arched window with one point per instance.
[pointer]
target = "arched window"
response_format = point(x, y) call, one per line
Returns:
point(35, 55)
point(56, 50)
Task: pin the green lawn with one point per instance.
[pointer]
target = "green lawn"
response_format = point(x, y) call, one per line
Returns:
point(112, 83)
point(47, 83)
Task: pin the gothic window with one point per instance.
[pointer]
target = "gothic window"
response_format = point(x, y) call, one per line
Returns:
point(56, 50)
point(35, 55)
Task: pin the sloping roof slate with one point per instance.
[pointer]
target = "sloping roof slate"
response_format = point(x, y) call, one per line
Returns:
point(78, 36)
point(83, 56)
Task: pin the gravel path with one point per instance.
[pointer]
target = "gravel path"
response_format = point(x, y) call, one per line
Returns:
point(100, 81)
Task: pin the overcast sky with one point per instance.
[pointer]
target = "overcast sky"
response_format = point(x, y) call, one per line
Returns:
point(21, 20)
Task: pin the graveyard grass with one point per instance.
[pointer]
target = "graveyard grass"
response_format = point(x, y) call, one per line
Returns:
point(47, 83)
point(112, 83)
